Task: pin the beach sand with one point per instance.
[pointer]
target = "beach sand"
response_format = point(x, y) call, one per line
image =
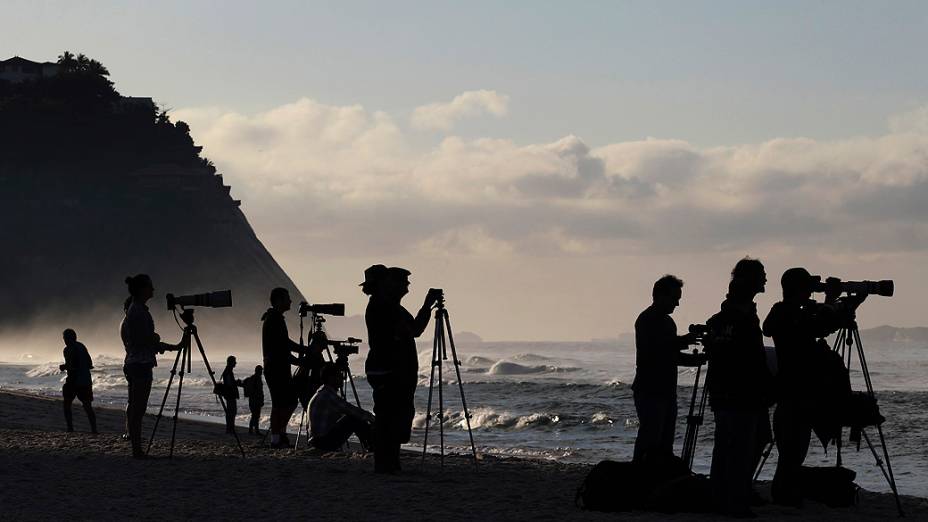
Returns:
point(46, 473)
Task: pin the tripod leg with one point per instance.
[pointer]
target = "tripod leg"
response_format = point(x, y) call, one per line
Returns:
point(180, 386)
point(763, 460)
point(457, 370)
point(428, 410)
point(441, 401)
point(299, 430)
point(354, 390)
point(212, 377)
point(164, 400)
point(888, 470)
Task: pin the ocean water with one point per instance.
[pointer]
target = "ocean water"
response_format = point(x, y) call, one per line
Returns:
point(568, 402)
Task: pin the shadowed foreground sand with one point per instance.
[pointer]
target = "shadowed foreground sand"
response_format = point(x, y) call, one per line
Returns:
point(46, 473)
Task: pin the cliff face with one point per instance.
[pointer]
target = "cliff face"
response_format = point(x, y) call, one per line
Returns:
point(95, 187)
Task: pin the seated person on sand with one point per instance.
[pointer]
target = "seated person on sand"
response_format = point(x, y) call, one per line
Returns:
point(332, 419)
point(78, 383)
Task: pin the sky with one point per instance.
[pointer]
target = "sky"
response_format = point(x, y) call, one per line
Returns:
point(544, 162)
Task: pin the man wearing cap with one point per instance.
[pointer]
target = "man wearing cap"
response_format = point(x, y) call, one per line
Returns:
point(392, 364)
point(796, 324)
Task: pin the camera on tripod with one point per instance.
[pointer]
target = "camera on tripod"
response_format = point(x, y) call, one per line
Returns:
point(883, 288)
point(218, 299)
point(337, 309)
point(345, 348)
point(698, 332)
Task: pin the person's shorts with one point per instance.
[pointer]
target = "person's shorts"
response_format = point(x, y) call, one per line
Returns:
point(281, 386)
point(139, 373)
point(83, 393)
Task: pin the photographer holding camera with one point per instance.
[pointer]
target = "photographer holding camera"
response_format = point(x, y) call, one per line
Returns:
point(797, 325)
point(142, 344)
point(657, 355)
point(392, 364)
point(278, 352)
point(332, 419)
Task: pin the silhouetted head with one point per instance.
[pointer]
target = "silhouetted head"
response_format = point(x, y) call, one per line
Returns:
point(396, 284)
point(748, 278)
point(280, 299)
point(797, 284)
point(141, 288)
point(259, 369)
point(230, 361)
point(667, 293)
point(331, 375)
point(69, 336)
point(374, 277)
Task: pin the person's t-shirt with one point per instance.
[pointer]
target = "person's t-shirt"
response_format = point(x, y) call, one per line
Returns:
point(656, 352)
point(78, 364)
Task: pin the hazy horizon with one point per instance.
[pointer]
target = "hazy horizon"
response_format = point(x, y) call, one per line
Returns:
point(544, 164)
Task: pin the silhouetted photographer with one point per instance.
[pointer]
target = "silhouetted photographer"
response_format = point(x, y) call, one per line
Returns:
point(142, 346)
point(229, 391)
point(740, 389)
point(392, 364)
point(658, 353)
point(798, 325)
point(78, 383)
point(253, 387)
point(279, 352)
point(332, 419)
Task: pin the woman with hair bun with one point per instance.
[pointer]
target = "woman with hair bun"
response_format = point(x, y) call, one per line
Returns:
point(142, 345)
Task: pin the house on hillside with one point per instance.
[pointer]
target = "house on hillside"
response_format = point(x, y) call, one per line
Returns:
point(16, 69)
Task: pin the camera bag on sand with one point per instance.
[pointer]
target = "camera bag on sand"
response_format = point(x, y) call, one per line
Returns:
point(611, 486)
point(832, 486)
point(662, 484)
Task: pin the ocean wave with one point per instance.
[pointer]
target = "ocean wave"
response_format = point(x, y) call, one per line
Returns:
point(511, 368)
point(531, 357)
point(477, 360)
point(600, 417)
point(48, 369)
point(487, 419)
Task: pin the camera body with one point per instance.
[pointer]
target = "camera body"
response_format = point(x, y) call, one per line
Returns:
point(337, 309)
point(835, 285)
point(218, 299)
point(345, 348)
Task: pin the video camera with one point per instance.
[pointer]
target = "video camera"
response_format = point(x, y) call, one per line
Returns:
point(345, 348)
point(337, 309)
point(218, 299)
point(883, 288)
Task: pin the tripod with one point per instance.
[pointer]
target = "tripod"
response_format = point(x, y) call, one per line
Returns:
point(844, 343)
point(694, 418)
point(439, 354)
point(184, 358)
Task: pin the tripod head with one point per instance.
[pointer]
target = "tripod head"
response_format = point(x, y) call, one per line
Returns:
point(186, 315)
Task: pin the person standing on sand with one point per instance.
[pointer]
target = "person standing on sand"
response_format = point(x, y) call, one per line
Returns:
point(254, 390)
point(392, 364)
point(78, 383)
point(740, 390)
point(230, 393)
point(142, 344)
point(657, 355)
point(278, 350)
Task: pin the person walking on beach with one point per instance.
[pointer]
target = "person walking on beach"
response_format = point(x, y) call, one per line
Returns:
point(78, 383)
point(253, 387)
point(740, 389)
point(142, 344)
point(657, 355)
point(278, 350)
point(229, 390)
point(332, 419)
point(392, 364)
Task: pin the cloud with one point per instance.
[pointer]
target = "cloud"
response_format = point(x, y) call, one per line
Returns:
point(443, 116)
point(352, 179)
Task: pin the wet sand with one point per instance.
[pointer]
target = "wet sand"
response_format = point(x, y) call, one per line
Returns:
point(46, 473)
